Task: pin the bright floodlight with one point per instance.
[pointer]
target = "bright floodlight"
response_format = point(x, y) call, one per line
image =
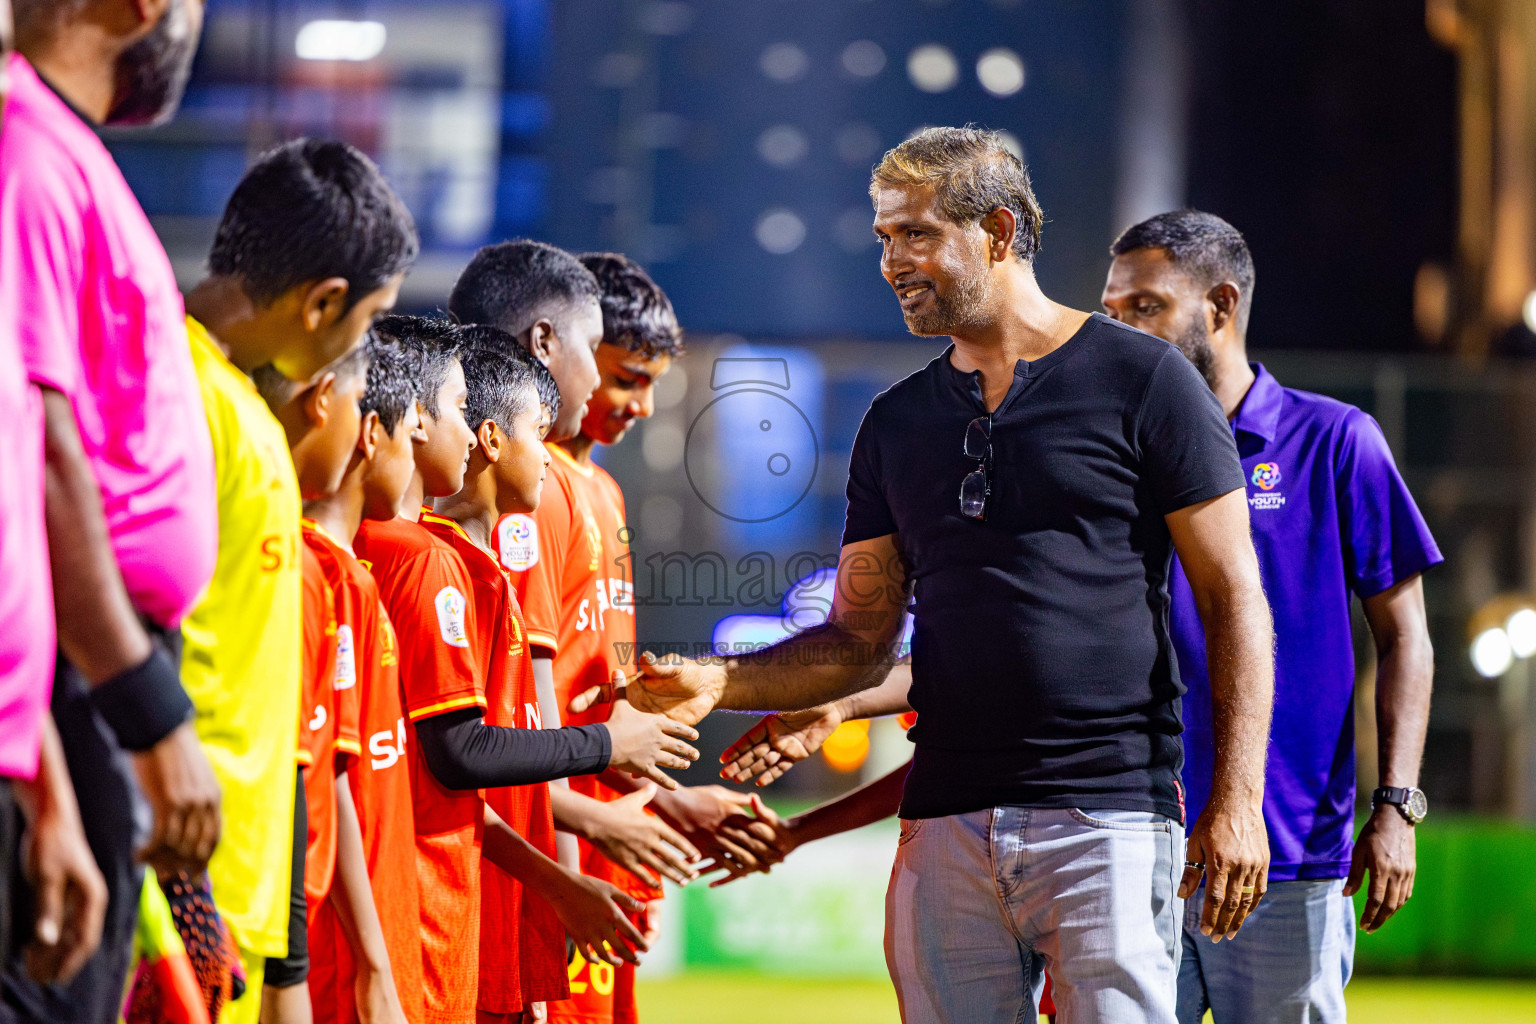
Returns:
point(783, 145)
point(1528, 312)
point(863, 58)
point(340, 40)
point(1521, 630)
point(1000, 72)
point(784, 62)
point(1491, 653)
point(932, 68)
point(780, 231)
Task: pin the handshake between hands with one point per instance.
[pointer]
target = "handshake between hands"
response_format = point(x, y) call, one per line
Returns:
point(702, 829)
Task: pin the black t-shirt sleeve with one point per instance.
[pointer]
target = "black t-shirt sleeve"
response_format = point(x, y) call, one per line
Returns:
point(1187, 451)
point(869, 515)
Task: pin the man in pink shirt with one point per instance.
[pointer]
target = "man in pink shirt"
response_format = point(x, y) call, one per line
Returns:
point(129, 472)
point(70, 895)
point(26, 597)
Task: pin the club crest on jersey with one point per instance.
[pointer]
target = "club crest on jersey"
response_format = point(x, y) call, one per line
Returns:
point(450, 617)
point(518, 540)
point(346, 659)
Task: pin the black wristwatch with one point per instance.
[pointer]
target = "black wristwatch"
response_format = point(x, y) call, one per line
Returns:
point(1410, 801)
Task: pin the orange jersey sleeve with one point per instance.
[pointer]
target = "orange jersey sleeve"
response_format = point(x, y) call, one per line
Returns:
point(316, 725)
point(346, 694)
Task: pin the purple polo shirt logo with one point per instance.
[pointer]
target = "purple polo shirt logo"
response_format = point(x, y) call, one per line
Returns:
point(1266, 477)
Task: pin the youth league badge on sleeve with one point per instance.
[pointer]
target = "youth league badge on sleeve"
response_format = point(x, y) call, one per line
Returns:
point(346, 659)
point(517, 537)
point(450, 617)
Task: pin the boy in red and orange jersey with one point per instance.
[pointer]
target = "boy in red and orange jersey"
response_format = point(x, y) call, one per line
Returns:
point(423, 583)
point(522, 948)
point(570, 565)
point(366, 938)
point(522, 942)
point(320, 422)
point(456, 753)
point(550, 304)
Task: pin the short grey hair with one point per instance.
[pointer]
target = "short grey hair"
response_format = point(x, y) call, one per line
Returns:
point(972, 172)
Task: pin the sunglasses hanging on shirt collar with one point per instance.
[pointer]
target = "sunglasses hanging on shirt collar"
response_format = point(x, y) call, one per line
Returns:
point(976, 488)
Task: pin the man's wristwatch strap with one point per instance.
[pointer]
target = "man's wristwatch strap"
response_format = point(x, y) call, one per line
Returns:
point(1409, 801)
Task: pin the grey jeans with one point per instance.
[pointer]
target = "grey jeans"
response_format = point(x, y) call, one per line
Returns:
point(981, 904)
point(1288, 965)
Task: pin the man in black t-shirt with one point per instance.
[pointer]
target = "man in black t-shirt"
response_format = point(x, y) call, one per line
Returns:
point(1027, 489)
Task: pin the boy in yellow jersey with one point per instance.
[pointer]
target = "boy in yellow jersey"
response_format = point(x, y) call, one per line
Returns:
point(311, 248)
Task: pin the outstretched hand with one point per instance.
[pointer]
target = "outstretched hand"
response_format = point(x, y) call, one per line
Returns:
point(683, 689)
point(642, 843)
point(778, 742)
point(596, 915)
point(642, 743)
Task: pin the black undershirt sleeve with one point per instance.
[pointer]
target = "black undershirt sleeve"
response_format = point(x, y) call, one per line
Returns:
point(463, 752)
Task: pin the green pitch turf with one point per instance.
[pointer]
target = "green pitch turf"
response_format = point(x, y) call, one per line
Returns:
point(709, 998)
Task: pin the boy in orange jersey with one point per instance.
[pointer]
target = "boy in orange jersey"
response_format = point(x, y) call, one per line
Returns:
point(522, 947)
point(366, 938)
point(321, 424)
point(455, 753)
point(570, 566)
point(544, 298)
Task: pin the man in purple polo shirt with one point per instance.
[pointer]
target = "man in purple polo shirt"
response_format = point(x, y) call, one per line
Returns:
point(1331, 518)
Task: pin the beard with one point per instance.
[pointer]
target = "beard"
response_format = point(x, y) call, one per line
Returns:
point(153, 72)
point(961, 307)
point(1195, 343)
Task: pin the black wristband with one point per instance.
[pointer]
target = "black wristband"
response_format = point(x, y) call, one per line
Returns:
point(144, 704)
